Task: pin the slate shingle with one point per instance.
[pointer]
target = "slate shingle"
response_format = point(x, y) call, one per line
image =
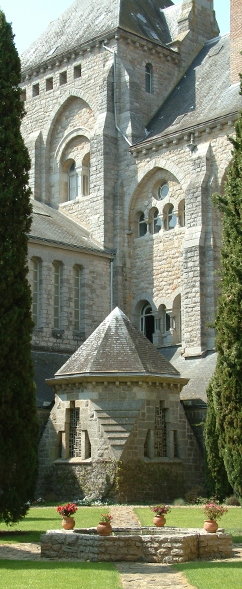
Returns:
point(51, 225)
point(85, 20)
point(203, 94)
point(117, 346)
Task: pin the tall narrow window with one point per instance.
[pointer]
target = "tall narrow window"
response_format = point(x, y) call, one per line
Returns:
point(36, 273)
point(74, 434)
point(157, 222)
point(142, 225)
point(148, 78)
point(57, 271)
point(77, 277)
point(147, 322)
point(170, 219)
point(74, 182)
point(175, 444)
point(160, 445)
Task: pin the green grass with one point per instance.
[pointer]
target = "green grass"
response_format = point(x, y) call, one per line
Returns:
point(185, 517)
point(212, 575)
point(40, 519)
point(39, 575)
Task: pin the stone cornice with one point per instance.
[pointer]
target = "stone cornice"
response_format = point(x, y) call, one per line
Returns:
point(187, 135)
point(84, 249)
point(78, 51)
point(60, 382)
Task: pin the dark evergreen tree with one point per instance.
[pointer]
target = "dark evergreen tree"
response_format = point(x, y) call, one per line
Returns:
point(18, 419)
point(224, 430)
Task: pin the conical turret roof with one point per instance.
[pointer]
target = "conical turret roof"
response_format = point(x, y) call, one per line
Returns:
point(117, 347)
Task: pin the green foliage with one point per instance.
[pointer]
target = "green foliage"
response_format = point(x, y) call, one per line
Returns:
point(18, 420)
point(217, 484)
point(224, 424)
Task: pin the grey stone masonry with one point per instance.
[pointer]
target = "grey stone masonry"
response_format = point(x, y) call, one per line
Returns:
point(165, 545)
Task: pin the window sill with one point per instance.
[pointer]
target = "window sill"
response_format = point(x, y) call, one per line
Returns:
point(163, 460)
point(73, 461)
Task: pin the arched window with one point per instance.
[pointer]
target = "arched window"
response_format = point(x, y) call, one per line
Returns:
point(74, 183)
point(149, 78)
point(157, 222)
point(169, 217)
point(147, 321)
point(77, 278)
point(142, 225)
point(36, 278)
point(57, 277)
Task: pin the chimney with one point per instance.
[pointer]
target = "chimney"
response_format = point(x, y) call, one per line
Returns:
point(198, 16)
point(235, 40)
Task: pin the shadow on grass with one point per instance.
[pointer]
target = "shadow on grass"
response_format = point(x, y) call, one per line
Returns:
point(20, 536)
point(35, 565)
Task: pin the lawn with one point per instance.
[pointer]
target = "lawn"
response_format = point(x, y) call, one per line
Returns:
point(212, 575)
point(40, 519)
point(193, 517)
point(39, 575)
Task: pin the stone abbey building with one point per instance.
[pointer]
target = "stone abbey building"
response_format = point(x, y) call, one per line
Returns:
point(129, 105)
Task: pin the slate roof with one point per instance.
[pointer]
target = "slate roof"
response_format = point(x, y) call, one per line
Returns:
point(117, 347)
point(198, 370)
point(45, 365)
point(85, 20)
point(53, 226)
point(203, 94)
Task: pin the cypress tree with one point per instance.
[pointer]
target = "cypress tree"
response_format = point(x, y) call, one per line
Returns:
point(224, 432)
point(18, 420)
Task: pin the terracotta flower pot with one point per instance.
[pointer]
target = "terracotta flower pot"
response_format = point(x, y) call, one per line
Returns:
point(68, 523)
point(210, 525)
point(159, 520)
point(104, 529)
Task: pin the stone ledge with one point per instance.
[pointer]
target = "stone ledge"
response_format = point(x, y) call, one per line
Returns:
point(150, 544)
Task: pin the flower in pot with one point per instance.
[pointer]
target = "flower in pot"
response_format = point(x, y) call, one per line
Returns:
point(159, 511)
point(213, 512)
point(104, 527)
point(67, 511)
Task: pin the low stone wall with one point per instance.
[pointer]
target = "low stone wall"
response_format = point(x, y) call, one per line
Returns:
point(142, 544)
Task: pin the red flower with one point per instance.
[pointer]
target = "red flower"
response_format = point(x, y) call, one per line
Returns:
point(67, 510)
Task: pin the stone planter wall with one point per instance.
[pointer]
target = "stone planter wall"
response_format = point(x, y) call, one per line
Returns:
point(144, 544)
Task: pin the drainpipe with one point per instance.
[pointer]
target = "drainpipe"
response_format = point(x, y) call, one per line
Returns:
point(115, 92)
point(111, 285)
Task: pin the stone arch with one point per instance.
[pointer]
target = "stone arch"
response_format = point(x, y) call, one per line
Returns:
point(64, 132)
point(144, 314)
point(134, 205)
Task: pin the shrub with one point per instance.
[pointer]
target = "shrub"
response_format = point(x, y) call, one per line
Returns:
point(232, 500)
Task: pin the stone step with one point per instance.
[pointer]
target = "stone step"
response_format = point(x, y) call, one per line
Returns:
point(117, 435)
point(117, 427)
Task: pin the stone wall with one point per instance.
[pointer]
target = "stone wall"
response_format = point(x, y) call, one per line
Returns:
point(95, 296)
point(168, 546)
point(119, 418)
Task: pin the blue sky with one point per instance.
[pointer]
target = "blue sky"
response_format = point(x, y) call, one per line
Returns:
point(30, 18)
